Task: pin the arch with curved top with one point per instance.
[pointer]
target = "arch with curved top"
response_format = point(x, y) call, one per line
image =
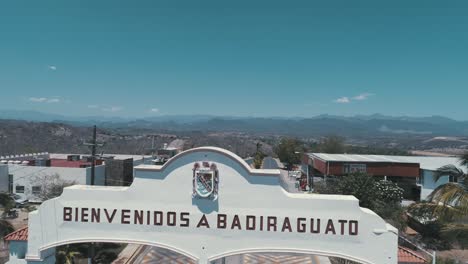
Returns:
point(159, 210)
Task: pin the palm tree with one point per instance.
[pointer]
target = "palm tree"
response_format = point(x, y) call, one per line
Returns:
point(449, 202)
point(67, 254)
point(451, 198)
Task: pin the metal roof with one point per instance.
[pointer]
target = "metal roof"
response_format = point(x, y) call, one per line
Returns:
point(425, 163)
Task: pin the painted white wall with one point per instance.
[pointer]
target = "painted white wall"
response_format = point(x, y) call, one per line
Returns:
point(29, 176)
point(242, 191)
point(428, 184)
point(3, 178)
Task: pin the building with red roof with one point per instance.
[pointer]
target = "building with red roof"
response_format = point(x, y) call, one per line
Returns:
point(408, 256)
point(17, 243)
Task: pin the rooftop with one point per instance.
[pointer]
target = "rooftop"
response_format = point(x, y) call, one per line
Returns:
point(406, 255)
point(115, 156)
point(67, 163)
point(18, 235)
point(425, 163)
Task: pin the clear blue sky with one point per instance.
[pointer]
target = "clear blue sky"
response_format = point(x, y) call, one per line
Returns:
point(242, 58)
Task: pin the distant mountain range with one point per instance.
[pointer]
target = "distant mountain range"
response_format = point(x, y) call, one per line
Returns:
point(355, 126)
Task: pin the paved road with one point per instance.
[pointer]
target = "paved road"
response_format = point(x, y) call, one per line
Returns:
point(269, 163)
point(153, 255)
point(287, 182)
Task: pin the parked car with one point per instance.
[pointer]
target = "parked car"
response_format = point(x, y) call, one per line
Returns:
point(20, 201)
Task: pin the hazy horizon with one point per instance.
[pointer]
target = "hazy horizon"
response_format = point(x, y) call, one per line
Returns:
point(168, 116)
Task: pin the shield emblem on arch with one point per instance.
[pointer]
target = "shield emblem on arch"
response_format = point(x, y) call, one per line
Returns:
point(205, 180)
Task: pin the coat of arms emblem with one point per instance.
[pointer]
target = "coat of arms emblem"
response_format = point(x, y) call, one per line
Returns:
point(205, 180)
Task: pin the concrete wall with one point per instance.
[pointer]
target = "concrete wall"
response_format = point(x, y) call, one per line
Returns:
point(119, 172)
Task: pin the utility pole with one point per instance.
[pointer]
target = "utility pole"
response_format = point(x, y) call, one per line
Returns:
point(93, 145)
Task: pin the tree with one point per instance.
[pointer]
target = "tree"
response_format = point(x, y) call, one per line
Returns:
point(7, 203)
point(67, 254)
point(288, 151)
point(362, 186)
point(258, 157)
point(5, 227)
point(51, 186)
point(382, 197)
point(448, 203)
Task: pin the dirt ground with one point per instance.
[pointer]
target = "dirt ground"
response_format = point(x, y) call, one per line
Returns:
point(457, 254)
point(20, 221)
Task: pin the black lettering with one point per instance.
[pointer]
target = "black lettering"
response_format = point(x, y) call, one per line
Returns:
point(171, 218)
point(301, 227)
point(125, 216)
point(138, 217)
point(250, 222)
point(353, 228)
point(286, 225)
point(67, 214)
point(84, 214)
point(203, 222)
point(111, 217)
point(96, 215)
point(315, 230)
point(342, 222)
point(330, 227)
point(158, 218)
point(184, 219)
point(236, 223)
point(221, 221)
point(271, 223)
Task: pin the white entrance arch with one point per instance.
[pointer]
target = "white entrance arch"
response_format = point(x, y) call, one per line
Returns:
point(247, 211)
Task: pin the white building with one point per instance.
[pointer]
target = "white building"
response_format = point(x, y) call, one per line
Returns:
point(428, 165)
point(26, 175)
point(29, 181)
